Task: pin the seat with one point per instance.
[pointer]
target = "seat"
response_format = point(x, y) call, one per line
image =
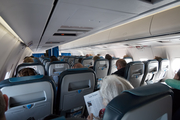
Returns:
point(55, 68)
point(101, 67)
point(87, 62)
point(29, 97)
point(73, 84)
point(128, 59)
point(71, 60)
point(150, 102)
point(134, 72)
point(112, 66)
point(163, 69)
point(36, 60)
point(151, 68)
point(46, 60)
point(66, 58)
point(38, 67)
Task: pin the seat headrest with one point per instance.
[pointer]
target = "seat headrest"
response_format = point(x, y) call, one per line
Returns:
point(135, 98)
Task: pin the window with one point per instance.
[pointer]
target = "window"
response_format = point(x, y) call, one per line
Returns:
point(175, 65)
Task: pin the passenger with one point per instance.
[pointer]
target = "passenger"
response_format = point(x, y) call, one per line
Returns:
point(53, 58)
point(125, 56)
point(80, 60)
point(108, 57)
point(94, 58)
point(32, 56)
point(175, 84)
point(62, 59)
point(87, 55)
point(3, 105)
point(177, 75)
point(111, 87)
point(158, 58)
point(120, 64)
point(77, 65)
point(26, 72)
point(98, 55)
point(28, 60)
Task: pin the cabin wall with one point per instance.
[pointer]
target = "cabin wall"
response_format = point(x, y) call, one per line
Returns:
point(11, 50)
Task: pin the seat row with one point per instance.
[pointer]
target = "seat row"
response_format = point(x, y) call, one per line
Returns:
point(137, 73)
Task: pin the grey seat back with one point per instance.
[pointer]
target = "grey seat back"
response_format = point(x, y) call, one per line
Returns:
point(57, 67)
point(66, 58)
point(163, 69)
point(87, 62)
point(46, 66)
point(72, 86)
point(112, 66)
point(101, 67)
point(150, 102)
point(38, 67)
point(151, 68)
point(134, 72)
point(128, 59)
point(71, 60)
point(29, 97)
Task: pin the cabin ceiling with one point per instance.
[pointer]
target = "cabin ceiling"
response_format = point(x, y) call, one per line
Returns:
point(36, 21)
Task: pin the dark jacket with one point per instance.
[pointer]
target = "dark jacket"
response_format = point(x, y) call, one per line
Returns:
point(120, 72)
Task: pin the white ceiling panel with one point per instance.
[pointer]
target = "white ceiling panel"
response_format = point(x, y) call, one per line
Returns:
point(26, 18)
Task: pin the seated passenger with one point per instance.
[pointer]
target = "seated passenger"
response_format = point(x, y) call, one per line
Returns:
point(62, 59)
point(28, 60)
point(53, 58)
point(77, 65)
point(87, 55)
point(3, 105)
point(80, 60)
point(26, 72)
point(111, 87)
point(120, 64)
point(158, 58)
point(175, 84)
point(94, 58)
point(108, 57)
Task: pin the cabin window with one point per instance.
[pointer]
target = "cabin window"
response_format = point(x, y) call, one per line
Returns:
point(143, 59)
point(175, 65)
point(7, 75)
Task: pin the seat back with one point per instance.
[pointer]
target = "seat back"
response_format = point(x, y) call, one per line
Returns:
point(112, 66)
point(71, 60)
point(163, 69)
point(38, 67)
point(45, 61)
point(134, 72)
point(128, 59)
point(66, 58)
point(57, 67)
point(36, 60)
point(28, 96)
point(101, 67)
point(72, 86)
point(151, 68)
point(87, 62)
point(150, 102)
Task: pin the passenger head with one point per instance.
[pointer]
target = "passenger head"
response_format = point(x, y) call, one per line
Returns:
point(78, 65)
point(120, 63)
point(112, 86)
point(157, 58)
point(80, 60)
point(53, 58)
point(27, 72)
point(125, 56)
point(28, 60)
point(87, 55)
point(108, 57)
point(3, 105)
point(96, 58)
point(32, 56)
point(177, 75)
point(98, 55)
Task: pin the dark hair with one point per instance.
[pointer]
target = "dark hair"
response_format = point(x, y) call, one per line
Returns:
point(27, 72)
point(178, 73)
point(80, 60)
point(108, 57)
point(121, 62)
point(53, 58)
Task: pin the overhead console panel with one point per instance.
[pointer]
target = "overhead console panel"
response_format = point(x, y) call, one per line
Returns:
point(166, 22)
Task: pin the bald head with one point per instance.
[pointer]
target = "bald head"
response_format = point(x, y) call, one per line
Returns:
point(78, 65)
point(120, 63)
